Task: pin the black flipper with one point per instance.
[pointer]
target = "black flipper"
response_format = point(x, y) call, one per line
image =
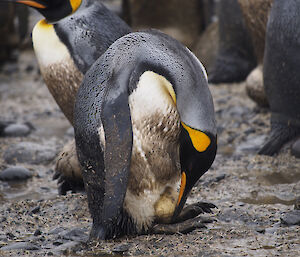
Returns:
point(118, 147)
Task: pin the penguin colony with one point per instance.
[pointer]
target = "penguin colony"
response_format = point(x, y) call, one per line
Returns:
point(144, 117)
point(273, 27)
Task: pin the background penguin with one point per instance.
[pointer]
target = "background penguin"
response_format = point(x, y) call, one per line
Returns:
point(255, 14)
point(183, 20)
point(281, 73)
point(69, 40)
point(235, 58)
point(143, 116)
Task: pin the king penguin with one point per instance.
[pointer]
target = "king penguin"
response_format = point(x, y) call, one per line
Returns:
point(70, 38)
point(145, 132)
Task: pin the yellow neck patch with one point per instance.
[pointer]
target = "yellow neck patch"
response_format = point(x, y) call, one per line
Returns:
point(75, 4)
point(44, 24)
point(199, 139)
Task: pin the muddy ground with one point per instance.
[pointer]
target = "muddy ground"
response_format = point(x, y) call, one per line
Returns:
point(255, 195)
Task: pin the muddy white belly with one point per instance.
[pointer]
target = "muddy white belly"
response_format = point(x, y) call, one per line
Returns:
point(155, 169)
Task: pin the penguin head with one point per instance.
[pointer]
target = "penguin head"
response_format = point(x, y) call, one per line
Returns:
point(197, 153)
point(52, 10)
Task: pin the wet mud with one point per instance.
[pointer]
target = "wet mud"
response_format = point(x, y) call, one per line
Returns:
point(255, 195)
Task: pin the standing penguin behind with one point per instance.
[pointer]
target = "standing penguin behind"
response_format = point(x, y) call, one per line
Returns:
point(281, 73)
point(69, 40)
point(144, 117)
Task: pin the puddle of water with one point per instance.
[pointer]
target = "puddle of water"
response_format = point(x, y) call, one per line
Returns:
point(268, 199)
point(17, 191)
point(282, 177)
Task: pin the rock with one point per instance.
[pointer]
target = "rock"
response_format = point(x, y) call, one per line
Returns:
point(3, 125)
point(20, 245)
point(76, 234)
point(65, 248)
point(291, 218)
point(35, 209)
point(296, 149)
point(15, 173)
point(27, 152)
point(121, 248)
point(56, 231)
point(17, 130)
point(37, 232)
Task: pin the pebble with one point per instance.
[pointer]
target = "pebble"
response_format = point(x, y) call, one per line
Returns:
point(20, 245)
point(37, 232)
point(76, 234)
point(15, 173)
point(3, 125)
point(27, 152)
point(291, 218)
point(121, 248)
point(35, 209)
point(296, 149)
point(17, 130)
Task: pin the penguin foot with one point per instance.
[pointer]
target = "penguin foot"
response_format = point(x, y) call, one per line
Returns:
point(230, 67)
point(193, 210)
point(280, 134)
point(68, 170)
point(183, 227)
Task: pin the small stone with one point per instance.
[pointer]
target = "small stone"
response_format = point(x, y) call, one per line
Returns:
point(35, 209)
point(76, 234)
point(56, 231)
point(10, 235)
point(27, 152)
point(260, 230)
point(296, 149)
point(19, 246)
point(37, 232)
point(17, 130)
point(291, 218)
point(15, 173)
point(58, 242)
point(121, 248)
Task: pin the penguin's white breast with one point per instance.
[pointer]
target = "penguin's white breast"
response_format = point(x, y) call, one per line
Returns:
point(48, 48)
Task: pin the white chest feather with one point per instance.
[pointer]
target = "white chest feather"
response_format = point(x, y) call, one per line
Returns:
point(47, 46)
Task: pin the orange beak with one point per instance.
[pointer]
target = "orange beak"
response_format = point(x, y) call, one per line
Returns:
point(32, 3)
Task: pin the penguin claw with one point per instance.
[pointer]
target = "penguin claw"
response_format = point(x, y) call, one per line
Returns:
point(183, 227)
point(193, 210)
point(280, 134)
point(68, 170)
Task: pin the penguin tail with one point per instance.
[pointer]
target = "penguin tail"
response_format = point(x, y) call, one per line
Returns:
point(280, 134)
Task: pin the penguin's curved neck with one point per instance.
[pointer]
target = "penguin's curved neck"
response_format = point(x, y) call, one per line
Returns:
point(54, 14)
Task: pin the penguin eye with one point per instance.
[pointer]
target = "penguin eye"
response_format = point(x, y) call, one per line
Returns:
point(199, 139)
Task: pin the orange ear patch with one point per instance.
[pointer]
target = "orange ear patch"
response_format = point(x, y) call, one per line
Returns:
point(75, 4)
point(199, 139)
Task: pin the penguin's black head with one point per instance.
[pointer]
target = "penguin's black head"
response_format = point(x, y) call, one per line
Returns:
point(197, 153)
point(52, 10)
